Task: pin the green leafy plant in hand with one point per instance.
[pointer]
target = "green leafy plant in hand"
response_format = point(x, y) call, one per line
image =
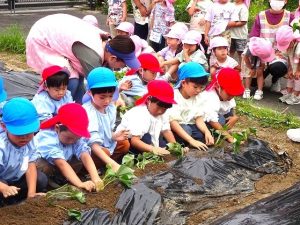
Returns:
point(146, 158)
point(124, 175)
point(128, 160)
point(67, 192)
point(176, 149)
point(120, 74)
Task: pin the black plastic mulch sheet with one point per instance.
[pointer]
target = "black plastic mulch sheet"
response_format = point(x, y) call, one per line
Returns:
point(20, 84)
point(282, 208)
point(198, 181)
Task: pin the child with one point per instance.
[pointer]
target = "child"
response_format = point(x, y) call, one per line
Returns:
point(186, 117)
point(19, 178)
point(139, 78)
point(141, 46)
point(197, 10)
point(192, 52)
point(219, 102)
point(117, 13)
point(62, 141)
point(217, 20)
point(162, 17)
point(220, 58)
point(259, 52)
point(102, 113)
point(239, 32)
point(147, 121)
point(125, 28)
point(53, 92)
point(285, 42)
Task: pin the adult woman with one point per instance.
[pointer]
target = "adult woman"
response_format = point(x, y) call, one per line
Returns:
point(68, 41)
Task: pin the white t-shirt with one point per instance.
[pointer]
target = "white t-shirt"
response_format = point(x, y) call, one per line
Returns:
point(186, 110)
point(213, 106)
point(200, 10)
point(241, 13)
point(229, 62)
point(139, 121)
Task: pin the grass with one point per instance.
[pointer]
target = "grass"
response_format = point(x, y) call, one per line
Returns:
point(266, 116)
point(12, 39)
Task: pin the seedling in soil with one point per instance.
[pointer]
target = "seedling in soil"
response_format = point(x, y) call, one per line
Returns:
point(67, 192)
point(146, 158)
point(128, 160)
point(124, 175)
point(176, 149)
point(241, 137)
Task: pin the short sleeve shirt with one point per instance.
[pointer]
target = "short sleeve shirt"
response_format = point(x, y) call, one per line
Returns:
point(115, 12)
point(241, 13)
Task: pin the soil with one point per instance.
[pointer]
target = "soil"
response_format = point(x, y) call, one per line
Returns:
point(37, 211)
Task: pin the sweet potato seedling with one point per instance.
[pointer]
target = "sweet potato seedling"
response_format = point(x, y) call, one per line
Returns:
point(176, 149)
point(146, 158)
point(124, 175)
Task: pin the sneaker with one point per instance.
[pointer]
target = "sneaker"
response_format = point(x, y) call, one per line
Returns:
point(258, 95)
point(247, 93)
point(293, 100)
point(276, 87)
point(285, 97)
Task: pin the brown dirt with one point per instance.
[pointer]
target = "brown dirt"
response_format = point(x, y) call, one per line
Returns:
point(14, 62)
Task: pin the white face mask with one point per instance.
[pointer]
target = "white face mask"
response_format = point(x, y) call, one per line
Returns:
point(277, 5)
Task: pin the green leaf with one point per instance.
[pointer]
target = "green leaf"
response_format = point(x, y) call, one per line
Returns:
point(128, 160)
point(125, 175)
point(80, 197)
point(74, 214)
point(176, 149)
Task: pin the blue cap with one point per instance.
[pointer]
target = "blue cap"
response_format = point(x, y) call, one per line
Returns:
point(101, 77)
point(3, 94)
point(20, 117)
point(190, 70)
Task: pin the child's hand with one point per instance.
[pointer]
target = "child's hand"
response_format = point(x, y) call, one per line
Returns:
point(160, 151)
point(99, 185)
point(231, 121)
point(197, 144)
point(88, 185)
point(10, 191)
point(206, 40)
point(121, 135)
point(33, 195)
point(201, 22)
point(115, 166)
point(125, 85)
point(209, 139)
point(252, 73)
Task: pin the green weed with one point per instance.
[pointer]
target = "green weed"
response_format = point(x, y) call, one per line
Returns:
point(12, 39)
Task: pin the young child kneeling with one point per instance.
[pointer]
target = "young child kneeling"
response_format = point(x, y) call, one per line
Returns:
point(107, 146)
point(186, 117)
point(219, 100)
point(147, 121)
point(62, 142)
point(19, 177)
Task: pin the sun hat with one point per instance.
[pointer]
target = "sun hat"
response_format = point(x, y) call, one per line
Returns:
point(141, 46)
point(180, 26)
point(262, 48)
point(192, 37)
point(91, 20)
point(130, 59)
point(3, 93)
point(218, 42)
point(73, 116)
point(51, 71)
point(190, 70)
point(20, 117)
point(284, 36)
point(148, 62)
point(159, 89)
point(229, 80)
point(126, 27)
point(101, 77)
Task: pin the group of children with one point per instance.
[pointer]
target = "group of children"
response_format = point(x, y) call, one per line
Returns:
point(51, 137)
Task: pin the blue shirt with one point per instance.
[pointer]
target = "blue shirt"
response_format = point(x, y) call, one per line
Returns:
point(48, 107)
point(50, 148)
point(137, 89)
point(14, 160)
point(101, 125)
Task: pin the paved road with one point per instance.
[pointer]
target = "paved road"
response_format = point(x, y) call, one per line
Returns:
point(25, 18)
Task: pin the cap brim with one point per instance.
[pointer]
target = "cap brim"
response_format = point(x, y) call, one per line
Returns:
point(132, 63)
point(101, 85)
point(282, 47)
point(24, 129)
point(189, 42)
point(3, 96)
point(167, 100)
point(236, 91)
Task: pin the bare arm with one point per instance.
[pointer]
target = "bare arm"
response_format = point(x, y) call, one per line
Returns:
point(68, 172)
point(89, 165)
point(124, 11)
point(97, 150)
point(192, 9)
point(31, 178)
point(137, 143)
point(168, 135)
point(175, 126)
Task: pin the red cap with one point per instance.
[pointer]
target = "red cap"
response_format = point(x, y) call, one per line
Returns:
point(159, 89)
point(73, 116)
point(52, 70)
point(148, 62)
point(230, 81)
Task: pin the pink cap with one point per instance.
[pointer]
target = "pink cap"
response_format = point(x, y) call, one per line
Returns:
point(91, 20)
point(192, 37)
point(180, 26)
point(284, 36)
point(262, 48)
point(218, 42)
point(126, 27)
point(141, 46)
